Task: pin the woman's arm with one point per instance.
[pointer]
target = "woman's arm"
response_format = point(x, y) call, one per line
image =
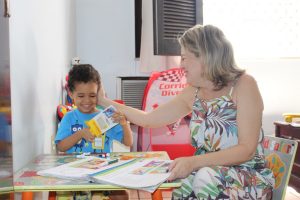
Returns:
point(164, 114)
point(249, 119)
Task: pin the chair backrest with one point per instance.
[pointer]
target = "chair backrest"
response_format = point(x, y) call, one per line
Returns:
point(119, 147)
point(175, 150)
point(280, 154)
point(162, 87)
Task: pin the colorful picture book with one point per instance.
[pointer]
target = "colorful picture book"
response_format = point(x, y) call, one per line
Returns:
point(142, 174)
point(99, 124)
point(103, 121)
point(139, 173)
point(81, 169)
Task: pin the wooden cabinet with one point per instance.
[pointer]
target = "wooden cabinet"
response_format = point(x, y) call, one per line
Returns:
point(290, 131)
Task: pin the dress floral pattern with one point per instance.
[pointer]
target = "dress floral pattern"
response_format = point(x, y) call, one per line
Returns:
point(213, 127)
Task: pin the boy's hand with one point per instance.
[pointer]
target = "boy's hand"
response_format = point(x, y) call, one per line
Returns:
point(119, 117)
point(87, 135)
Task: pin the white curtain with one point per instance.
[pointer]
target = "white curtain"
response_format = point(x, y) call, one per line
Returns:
point(148, 61)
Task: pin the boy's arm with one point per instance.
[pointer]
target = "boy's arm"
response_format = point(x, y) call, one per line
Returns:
point(120, 118)
point(127, 138)
point(69, 142)
point(65, 139)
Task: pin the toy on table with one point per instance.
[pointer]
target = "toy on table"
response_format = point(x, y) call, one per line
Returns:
point(104, 155)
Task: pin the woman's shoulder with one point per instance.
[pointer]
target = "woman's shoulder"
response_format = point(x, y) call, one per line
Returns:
point(246, 85)
point(245, 80)
point(247, 91)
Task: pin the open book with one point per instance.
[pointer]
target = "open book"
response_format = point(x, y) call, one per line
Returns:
point(138, 173)
point(81, 169)
point(142, 174)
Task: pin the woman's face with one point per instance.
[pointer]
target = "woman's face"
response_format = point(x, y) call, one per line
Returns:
point(85, 96)
point(193, 67)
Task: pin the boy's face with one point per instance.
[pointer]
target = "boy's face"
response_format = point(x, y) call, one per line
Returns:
point(85, 96)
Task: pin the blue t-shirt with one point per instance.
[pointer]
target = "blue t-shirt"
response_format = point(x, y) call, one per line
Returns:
point(74, 121)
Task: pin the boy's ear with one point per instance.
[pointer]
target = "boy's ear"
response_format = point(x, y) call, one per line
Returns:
point(70, 94)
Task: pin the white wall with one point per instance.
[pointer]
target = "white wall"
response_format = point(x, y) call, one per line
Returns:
point(279, 83)
point(106, 38)
point(265, 37)
point(42, 43)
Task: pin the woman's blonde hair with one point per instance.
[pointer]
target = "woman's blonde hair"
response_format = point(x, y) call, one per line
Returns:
point(210, 44)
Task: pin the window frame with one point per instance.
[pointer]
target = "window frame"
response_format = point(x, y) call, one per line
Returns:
point(169, 46)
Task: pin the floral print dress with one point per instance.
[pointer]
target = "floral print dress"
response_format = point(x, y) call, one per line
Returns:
point(213, 127)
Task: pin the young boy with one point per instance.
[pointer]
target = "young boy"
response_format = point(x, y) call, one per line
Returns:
point(73, 134)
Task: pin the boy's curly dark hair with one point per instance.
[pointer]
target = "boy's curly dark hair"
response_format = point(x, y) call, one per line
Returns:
point(83, 73)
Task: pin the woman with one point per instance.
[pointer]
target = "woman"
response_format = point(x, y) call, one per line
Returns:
point(226, 108)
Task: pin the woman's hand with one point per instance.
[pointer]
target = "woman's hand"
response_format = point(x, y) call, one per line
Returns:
point(119, 117)
point(181, 167)
point(87, 135)
point(101, 95)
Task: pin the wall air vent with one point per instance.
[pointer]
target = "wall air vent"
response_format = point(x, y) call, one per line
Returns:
point(130, 89)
